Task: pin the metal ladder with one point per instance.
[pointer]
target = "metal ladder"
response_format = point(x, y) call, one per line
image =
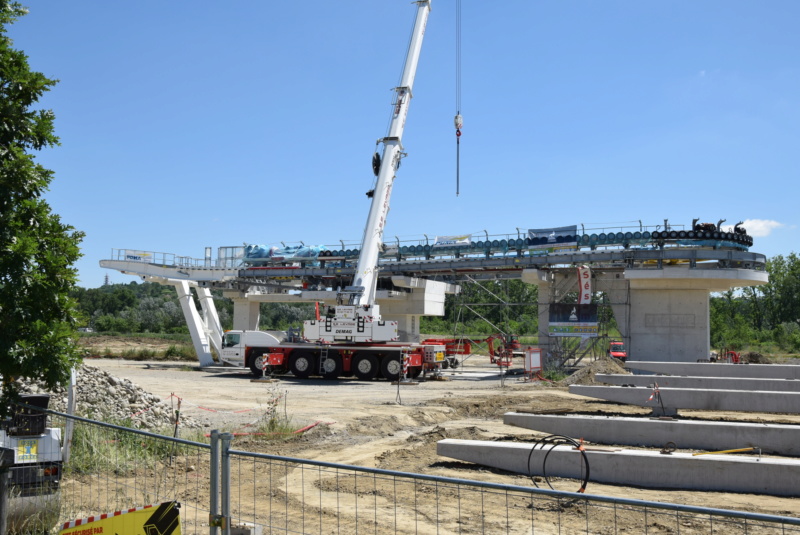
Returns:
point(323, 356)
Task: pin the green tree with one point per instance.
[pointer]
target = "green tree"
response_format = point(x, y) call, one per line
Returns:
point(37, 251)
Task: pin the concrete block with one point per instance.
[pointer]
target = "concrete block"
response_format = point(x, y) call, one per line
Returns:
point(710, 383)
point(779, 439)
point(717, 473)
point(718, 369)
point(246, 528)
point(673, 399)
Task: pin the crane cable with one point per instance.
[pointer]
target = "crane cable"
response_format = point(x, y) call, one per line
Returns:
point(458, 120)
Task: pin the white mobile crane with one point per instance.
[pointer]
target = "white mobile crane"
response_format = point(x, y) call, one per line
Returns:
point(360, 318)
point(352, 338)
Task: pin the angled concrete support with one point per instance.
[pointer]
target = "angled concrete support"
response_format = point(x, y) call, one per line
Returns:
point(197, 328)
point(655, 432)
point(728, 473)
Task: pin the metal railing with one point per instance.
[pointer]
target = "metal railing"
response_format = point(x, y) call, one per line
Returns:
point(112, 468)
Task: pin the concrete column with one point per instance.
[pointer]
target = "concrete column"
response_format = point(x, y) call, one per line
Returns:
point(670, 325)
point(407, 326)
point(246, 314)
point(670, 309)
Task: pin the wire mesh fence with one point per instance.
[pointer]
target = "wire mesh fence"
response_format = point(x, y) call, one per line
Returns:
point(111, 468)
point(283, 495)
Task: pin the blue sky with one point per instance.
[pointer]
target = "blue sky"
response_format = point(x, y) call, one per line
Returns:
point(193, 124)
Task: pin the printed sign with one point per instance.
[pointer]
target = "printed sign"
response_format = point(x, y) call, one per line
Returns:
point(452, 241)
point(27, 450)
point(553, 237)
point(138, 256)
point(163, 519)
point(573, 320)
point(584, 285)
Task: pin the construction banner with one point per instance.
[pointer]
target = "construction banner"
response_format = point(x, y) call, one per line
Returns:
point(584, 285)
point(573, 320)
point(163, 519)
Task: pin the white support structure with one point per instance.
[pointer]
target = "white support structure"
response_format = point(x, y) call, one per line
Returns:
point(198, 328)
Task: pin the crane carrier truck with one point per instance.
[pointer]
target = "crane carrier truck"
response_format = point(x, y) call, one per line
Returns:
point(351, 338)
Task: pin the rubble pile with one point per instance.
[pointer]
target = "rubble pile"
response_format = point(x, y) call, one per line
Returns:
point(101, 396)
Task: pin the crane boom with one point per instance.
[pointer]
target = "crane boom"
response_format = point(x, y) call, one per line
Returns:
point(362, 292)
point(359, 320)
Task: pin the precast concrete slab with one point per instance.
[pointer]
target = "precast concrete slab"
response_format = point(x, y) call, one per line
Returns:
point(779, 439)
point(672, 399)
point(717, 369)
point(710, 383)
point(720, 473)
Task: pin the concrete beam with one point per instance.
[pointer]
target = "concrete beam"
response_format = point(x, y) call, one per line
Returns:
point(776, 439)
point(716, 369)
point(718, 473)
point(709, 383)
point(673, 399)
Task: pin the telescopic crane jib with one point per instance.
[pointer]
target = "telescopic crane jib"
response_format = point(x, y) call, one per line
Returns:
point(360, 319)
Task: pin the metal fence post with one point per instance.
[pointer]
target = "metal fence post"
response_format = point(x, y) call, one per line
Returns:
point(225, 491)
point(213, 505)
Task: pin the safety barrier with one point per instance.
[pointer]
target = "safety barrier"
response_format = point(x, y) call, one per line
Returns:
point(115, 469)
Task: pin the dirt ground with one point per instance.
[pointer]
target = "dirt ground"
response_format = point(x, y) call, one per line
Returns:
point(376, 424)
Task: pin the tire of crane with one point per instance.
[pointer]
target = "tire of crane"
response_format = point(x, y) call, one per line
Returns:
point(673, 234)
point(691, 234)
point(365, 366)
point(255, 361)
point(655, 235)
point(415, 372)
point(302, 364)
point(391, 367)
point(715, 235)
point(331, 367)
point(681, 234)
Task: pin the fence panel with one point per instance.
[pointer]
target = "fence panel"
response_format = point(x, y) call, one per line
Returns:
point(285, 495)
point(113, 468)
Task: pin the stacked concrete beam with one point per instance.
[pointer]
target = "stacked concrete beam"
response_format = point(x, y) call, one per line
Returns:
point(726, 473)
point(702, 383)
point(652, 432)
point(672, 399)
point(716, 369)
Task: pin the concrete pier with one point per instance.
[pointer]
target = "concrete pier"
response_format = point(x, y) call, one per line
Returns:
point(673, 399)
point(776, 439)
point(716, 369)
point(722, 473)
point(703, 383)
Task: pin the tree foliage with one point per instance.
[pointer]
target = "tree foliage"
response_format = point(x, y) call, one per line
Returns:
point(37, 250)
point(761, 315)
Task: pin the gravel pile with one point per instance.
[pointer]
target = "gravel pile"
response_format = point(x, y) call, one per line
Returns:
point(586, 375)
point(101, 396)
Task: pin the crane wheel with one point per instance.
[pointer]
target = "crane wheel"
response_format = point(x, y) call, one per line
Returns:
point(365, 366)
point(302, 364)
point(391, 368)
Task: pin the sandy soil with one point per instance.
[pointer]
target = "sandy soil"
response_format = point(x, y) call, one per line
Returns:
point(377, 424)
